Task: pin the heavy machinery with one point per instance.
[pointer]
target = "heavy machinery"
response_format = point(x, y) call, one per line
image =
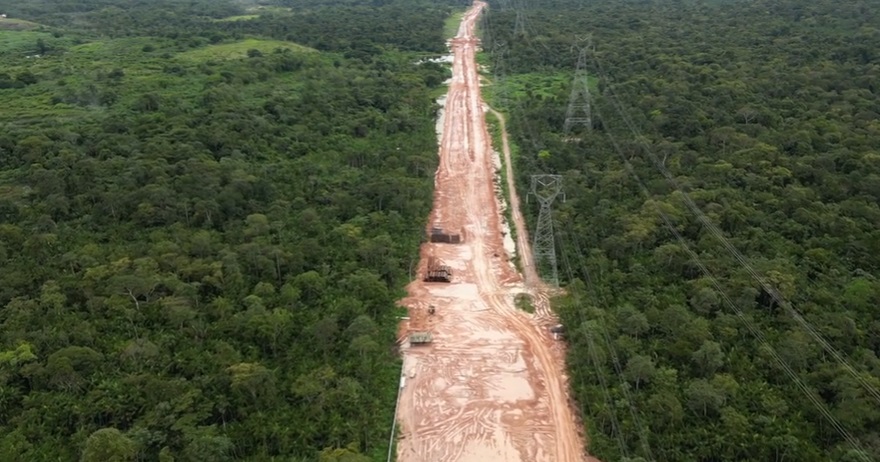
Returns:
point(442, 236)
point(437, 271)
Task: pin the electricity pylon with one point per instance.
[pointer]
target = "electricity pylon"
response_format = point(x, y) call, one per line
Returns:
point(546, 188)
point(499, 51)
point(519, 27)
point(579, 111)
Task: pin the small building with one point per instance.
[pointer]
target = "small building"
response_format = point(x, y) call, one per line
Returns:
point(2, 16)
point(420, 338)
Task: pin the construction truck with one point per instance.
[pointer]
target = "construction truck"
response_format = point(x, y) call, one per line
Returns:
point(437, 271)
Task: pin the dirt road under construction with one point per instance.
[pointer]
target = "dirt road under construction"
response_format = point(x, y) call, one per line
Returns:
point(490, 386)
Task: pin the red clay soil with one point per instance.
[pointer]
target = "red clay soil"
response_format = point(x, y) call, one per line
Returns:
point(491, 385)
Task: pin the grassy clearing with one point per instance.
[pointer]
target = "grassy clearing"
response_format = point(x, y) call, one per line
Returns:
point(24, 42)
point(524, 302)
point(450, 27)
point(547, 86)
point(146, 64)
point(539, 85)
point(17, 24)
point(269, 9)
point(143, 65)
point(133, 49)
point(439, 91)
point(137, 56)
point(239, 50)
point(494, 126)
point(483, 60)
point(243, 17)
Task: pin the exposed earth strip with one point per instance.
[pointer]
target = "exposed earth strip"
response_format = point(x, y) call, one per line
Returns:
point(491, 384)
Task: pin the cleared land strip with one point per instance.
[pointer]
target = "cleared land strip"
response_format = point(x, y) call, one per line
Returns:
point(490, 385)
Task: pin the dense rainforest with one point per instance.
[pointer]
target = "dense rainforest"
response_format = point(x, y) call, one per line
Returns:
point(207, 212)
point(719, 240)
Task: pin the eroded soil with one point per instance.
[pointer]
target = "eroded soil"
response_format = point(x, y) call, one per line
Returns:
point(491, 384)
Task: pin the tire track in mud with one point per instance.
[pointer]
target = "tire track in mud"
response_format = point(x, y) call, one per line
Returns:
point(490, 387)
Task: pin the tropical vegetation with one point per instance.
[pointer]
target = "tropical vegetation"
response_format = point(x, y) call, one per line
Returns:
point(205, 224)
point(719, 241)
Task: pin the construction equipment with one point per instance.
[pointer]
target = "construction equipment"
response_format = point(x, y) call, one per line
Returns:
point(419, 326)
point(420, 338)
point(441, 236)
point(437, 271)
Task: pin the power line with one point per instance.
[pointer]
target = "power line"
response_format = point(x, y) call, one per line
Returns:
point(817, 403)
point(546, 188)
point(545, 250)
point(624, 386)
point(579, 111)
point(499, 52)
point(519, 26)
point(771, 291)
point(597, 365)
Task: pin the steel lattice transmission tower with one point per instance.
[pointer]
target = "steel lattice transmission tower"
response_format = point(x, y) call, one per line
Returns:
point(519, 27)
point(579, 111)
point(546, 188)
point(499, 51)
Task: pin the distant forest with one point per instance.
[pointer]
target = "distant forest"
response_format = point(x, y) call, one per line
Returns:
point(208, 210)
point(751, 126)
